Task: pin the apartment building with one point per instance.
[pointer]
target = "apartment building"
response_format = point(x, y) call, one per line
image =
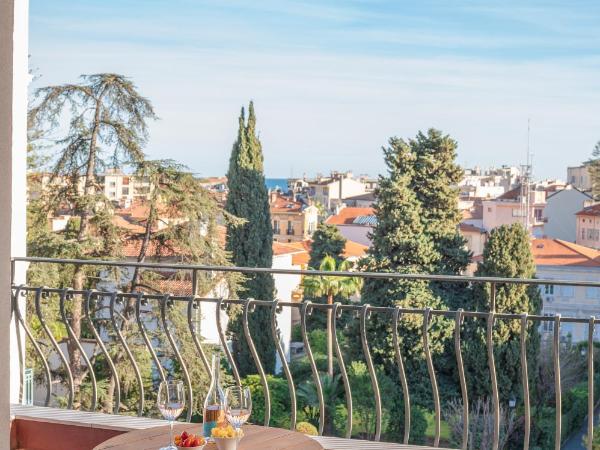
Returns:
point(560, 260)
point(579, 177)
point(512, 207)
point(475, 239)
point(123, 188)
point(331, 191)
point(293, 221)
point(588, 226)
point(560, 213)
point(354, 223)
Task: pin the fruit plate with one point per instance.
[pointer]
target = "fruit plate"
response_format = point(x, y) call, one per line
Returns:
point(199, 447)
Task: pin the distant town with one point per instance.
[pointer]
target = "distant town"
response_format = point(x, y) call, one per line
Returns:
point(561, 216)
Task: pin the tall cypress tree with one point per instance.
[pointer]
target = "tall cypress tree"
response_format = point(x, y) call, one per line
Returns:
point(250, 244)
point(507, 253)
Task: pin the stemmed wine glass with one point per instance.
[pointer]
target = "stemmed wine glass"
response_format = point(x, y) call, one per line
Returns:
point(171, 400)
point(238, 405)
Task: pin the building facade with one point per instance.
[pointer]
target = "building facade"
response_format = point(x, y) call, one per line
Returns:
point(355, 224)
point(561, 260)
point(513, 207)
point(293, 221)
point(560, 213)
point(579, 177)
point(331, 191)
point(588, 226)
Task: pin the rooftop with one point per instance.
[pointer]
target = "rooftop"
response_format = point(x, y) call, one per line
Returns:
point(282, 204)
point(556, 252)
point(352, 216)
point(593, 210)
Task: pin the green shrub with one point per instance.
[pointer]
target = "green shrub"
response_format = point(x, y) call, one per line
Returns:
point(280, 400)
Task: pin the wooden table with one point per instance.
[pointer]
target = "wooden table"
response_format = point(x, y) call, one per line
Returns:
point(255, 438)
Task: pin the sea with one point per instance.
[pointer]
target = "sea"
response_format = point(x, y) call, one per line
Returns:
point(277, 183)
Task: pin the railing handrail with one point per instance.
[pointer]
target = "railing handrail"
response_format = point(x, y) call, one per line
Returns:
point(309, 272)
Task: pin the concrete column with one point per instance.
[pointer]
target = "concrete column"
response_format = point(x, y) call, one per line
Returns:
point(14, 79)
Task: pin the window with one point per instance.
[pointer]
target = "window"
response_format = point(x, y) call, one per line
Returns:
point(489, 209)
point(276, 226)
point(549, 289)
point(112, 184)
point(126, 181)
point(583, 233)
point(567, 291)
point(125, 191)
point(290, 228)
point(548, 324)
point(592, 292)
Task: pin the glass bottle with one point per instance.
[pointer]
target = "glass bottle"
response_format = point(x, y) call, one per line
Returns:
point(214, 404)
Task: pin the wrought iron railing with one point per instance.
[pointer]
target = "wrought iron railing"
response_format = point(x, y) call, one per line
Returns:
point(363, 312)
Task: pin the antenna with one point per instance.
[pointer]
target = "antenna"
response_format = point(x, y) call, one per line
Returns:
point(526, 177)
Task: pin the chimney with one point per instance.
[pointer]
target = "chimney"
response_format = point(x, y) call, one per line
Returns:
point(273, 196)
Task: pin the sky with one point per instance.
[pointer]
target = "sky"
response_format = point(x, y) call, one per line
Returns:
point(332, 81)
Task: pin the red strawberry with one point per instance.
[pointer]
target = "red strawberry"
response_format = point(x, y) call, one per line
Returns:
point(189, 442)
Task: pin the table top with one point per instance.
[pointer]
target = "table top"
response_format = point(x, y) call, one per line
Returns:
point(255, 438)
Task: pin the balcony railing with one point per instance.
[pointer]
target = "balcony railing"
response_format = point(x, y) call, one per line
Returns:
point(51, 297)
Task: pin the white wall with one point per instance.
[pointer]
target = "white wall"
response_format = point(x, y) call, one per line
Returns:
point(13, 141)
point(570, 301)
point(284, 285)
point(356, 233)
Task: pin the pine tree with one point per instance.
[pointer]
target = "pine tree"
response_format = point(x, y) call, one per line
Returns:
point(106, 122)
point(400, 244)
point(593, 166)
point(507, 253)
point(435, 183)
point(326, 241)
point(250, 244)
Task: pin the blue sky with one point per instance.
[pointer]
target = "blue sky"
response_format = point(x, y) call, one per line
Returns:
point(333, 80)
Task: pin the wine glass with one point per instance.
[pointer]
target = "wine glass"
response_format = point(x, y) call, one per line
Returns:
point(238, 405)
point(171, 400)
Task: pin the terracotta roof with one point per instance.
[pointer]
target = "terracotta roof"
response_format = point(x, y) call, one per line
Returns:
point(593, 210)
point(169, 286)
point(131, 249)
point(300, 251)
point(471, 228)
point(513, 194)
point(283, 248)
point(283, 204)
point(476, 212)
point(131, 226)
point(556, 252)
point(354, 249)
point(348, 215)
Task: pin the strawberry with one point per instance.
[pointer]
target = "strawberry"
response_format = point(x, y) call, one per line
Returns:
point(189, 442)
point(184, 435)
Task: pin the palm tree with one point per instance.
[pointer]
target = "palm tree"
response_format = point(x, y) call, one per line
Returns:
point(332, 390)
point(331, 286)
